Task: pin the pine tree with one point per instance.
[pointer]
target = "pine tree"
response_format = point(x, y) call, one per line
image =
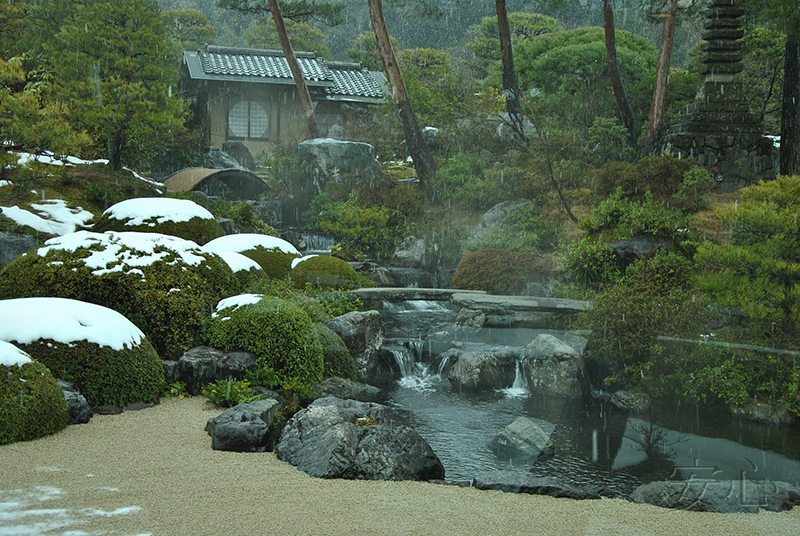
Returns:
point(117, 68)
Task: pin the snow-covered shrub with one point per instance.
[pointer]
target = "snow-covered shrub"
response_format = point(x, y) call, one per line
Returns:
point(31, 402)
point(107, 358)
point(324, 271)
point(278, 332)
point(176, 217)
point(273, 254)
point(165, 285)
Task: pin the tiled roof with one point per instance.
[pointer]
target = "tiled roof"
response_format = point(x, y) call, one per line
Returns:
point(341, 81)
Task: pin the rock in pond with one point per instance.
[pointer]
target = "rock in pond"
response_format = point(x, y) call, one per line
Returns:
point(553, 367)
point(478, 367)
point(363, 334)
point(512, 482)
point(335, 438)
point(724, 496)
point(244, 427)
point(523, 438)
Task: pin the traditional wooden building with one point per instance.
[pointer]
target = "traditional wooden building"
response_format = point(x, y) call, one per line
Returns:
point(249, 95)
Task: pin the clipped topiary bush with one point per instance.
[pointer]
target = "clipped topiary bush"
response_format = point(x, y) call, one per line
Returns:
point(278, 332)
point(326, 272)
point(107, 358)
point(338, 361)
point(273, 254)
point(176, 217)
point(31, 402)
point(165, 285)
point(495, 270)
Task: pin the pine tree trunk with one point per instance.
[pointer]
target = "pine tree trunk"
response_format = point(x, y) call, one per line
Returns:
point(297, 74)
point(115, 149)
point(420, 152)
point(662, 77)
point(510, 90)
point(624, 105)
point(790, 109)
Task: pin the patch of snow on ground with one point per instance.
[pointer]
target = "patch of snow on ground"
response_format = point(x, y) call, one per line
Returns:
point(10, 355)
point(295, 262)
point(49, 158)
point(247, 241)
point(66, 321)
point(237, 261)
point(114, 252)
point(234, 302)
point(5, 183)
point(165, 209)
point(54, 217)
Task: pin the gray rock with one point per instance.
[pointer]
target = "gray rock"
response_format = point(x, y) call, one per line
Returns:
point(216, 159)
point(336, 438)
point(170, 370)
point(496, 218)
point(481, 367)
point(347, 389)
point(512, 482)
point(553, 367)
point(13, 245)
point(523, 438)
point(724, 496)
point(470, 320)
point(627, 401)
point(79, 410)
point(363, 333)
point(244, 427)
point(774, 414)
point(227, 224)
point(239, 152)
point(203, 365)
point(636, 248)
point(328, 160)
point(410, 253)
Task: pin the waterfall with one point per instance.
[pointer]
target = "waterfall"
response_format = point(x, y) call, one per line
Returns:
point(414, 374)
point(519, 389)
point(317, 244)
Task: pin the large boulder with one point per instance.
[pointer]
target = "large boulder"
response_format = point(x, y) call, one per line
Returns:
point(239, 152)
point(79, 410)
point(481, 367)
point(525, 439)
point(553, 367)
point(327, 160)
point(410, 253)
point(244, 427)
point(363, 333)
point(724, 496)
point(217, 159)
point(12, 245)
point(202, 365)
point(336, 438)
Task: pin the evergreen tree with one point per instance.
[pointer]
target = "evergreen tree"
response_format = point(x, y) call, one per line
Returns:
point(117, 68)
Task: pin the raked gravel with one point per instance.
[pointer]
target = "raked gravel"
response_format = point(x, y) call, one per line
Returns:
point(154, 472)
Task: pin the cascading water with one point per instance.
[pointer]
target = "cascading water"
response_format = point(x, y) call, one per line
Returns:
point(519, 388)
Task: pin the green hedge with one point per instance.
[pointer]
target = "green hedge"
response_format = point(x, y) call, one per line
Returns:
point(280, 334)
point(326, 272)
point(31, 403)
point(338, 361)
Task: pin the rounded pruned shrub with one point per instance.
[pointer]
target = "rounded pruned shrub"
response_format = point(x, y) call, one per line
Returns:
point(31, 402)
point(176, 217)
point(273, 254)
point(278, 332)
point(326, 272)
point(495, 270)
point(338, 361)
point(107, 358)
point(165, 285)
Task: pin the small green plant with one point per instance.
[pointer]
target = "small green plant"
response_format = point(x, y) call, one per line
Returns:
point(227, 393)
point(243, 215)
point(175, 390)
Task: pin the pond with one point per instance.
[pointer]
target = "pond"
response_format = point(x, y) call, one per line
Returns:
point(596, 445)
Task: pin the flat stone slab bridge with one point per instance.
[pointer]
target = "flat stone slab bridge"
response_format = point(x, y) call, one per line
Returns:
point(476, 299)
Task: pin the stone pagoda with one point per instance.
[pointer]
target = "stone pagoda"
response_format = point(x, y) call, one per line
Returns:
point(720, 130)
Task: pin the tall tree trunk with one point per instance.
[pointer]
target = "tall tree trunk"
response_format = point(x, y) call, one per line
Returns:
point(420, 152)
point(662, 77)
point(115, 149)
point(297, 74)
point(790, 109)
point(624, 105)
point(510, 90)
